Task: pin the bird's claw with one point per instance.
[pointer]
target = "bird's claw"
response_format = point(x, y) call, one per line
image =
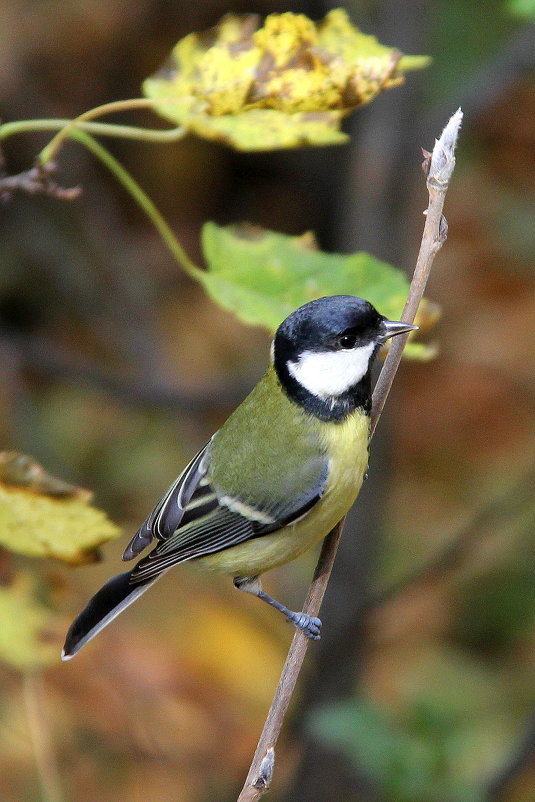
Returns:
point(309, 626)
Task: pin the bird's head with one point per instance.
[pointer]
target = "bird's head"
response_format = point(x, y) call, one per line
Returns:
point(323, 353)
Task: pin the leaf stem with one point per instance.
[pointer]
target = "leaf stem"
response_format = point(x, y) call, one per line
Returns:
point(99, 129)
point(140, 197)
point(434, 235)
point(41, 742)
point(81, 128)
point(49, 152)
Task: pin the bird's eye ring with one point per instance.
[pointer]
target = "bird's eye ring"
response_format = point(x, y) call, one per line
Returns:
point(347, 340)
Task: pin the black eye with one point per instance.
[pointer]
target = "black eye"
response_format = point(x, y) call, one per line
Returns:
point(347, 340)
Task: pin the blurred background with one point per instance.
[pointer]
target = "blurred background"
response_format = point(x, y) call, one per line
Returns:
point(116, 368)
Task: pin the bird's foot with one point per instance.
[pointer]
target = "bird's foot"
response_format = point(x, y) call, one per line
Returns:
point(309, 626)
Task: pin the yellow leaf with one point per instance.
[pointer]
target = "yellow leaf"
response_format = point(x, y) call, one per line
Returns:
point(23, 634)
point(41, 516)
point(284, 84)
point(23, 471)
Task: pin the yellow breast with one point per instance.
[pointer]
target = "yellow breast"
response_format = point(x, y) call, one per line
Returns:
point(346, 445)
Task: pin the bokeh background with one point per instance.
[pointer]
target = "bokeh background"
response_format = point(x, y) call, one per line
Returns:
point(116, 368)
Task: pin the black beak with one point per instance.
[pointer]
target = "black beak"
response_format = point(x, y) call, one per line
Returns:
point(390, 328)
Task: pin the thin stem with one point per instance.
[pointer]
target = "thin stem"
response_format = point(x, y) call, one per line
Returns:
point(41, 742)
point(80, 130)
point(49, 153)
point(440, 165)
point(253, 789)
point(440, 170)
point(140, 197)
point(99, 129)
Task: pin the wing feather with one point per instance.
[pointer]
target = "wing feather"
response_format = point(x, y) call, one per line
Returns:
point(215, 532)
point(195, 518)
point(166, 516)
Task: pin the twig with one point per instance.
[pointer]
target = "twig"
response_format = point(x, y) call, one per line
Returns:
point(44, 756)
point(439, 169)
point(254, 788)
point(37, 181)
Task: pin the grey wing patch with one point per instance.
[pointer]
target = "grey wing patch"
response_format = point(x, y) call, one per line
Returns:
point(211, 524)
point(168, 513)
point(296, 502)
point(218, 530)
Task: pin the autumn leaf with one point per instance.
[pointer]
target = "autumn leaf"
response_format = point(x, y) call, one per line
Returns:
point(24, 638)
point(42, 516)
point(285, 84)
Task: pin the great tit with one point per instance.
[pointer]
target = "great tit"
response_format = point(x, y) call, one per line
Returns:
point(279, 474)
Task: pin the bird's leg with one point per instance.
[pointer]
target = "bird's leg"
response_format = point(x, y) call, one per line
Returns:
point(307, 624)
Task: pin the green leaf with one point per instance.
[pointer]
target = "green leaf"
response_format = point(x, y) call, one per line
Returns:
point(410, 761)
point(285, 84)
point(522, 8)
point(262, 276)
point(41, 516)
point(24, 638)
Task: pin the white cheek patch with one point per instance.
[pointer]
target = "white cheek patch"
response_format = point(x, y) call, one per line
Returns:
point(331, 373)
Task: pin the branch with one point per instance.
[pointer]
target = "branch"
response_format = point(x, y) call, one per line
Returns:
point(37, 181)
point(439, 168)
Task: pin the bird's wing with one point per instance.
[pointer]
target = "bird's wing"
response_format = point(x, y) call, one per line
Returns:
point(167, 515)
point(213, 520)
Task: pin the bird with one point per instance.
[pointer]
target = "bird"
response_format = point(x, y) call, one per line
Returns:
point(279, 474)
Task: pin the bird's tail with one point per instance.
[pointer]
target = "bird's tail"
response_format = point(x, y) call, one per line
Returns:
point(114, 597)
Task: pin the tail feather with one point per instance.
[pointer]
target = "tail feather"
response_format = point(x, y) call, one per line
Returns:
point(114, 597)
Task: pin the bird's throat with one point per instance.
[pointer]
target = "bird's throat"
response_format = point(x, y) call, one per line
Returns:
point(334, 409)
